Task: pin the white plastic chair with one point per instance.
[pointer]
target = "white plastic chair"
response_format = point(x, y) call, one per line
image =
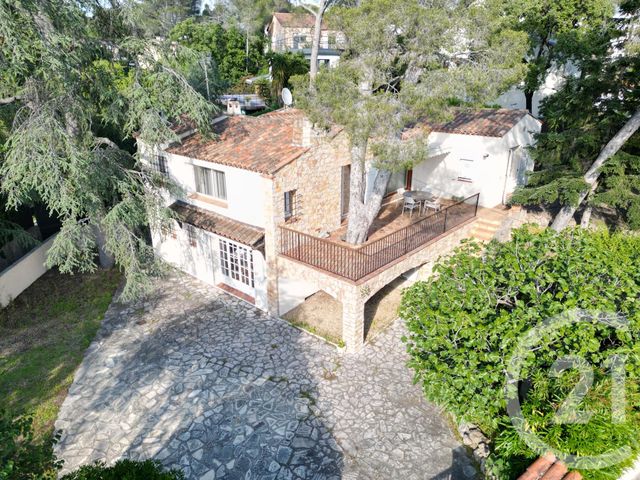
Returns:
point(433, 205)
point(410, 204)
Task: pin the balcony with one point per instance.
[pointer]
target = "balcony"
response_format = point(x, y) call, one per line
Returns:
point(390, 240)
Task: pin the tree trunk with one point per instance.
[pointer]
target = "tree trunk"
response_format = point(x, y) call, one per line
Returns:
point(107, 260)
point(246, 52)
point(356, 222)
point(591, 177)
point(528, 98)
point(586, 217)
point(585, 220)
point(362, 213)
point(315, 46)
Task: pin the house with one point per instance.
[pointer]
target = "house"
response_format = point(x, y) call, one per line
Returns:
point(262, 209)
point(481, 151)
point(293, 32)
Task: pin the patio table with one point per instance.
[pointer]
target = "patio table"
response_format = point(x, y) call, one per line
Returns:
point(421, 197)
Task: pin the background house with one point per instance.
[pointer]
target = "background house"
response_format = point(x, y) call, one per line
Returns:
point(293, 32)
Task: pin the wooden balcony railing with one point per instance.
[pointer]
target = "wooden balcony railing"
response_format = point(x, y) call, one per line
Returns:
point(355, 263)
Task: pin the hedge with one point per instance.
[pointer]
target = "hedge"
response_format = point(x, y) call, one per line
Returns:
point(466, 322)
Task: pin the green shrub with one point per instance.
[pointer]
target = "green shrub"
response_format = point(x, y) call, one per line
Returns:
point(465, 323)
point(124, 470)
point(22, 457)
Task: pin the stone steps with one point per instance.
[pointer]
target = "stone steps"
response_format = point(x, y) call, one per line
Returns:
point(489, 221)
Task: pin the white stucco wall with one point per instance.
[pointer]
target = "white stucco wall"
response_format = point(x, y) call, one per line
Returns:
point(18, 276)
point(245, 189)
point(292, 292)
point(203, 260)
point(492, 171)
point(514, 97)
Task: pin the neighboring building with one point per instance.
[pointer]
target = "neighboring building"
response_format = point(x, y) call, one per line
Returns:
point(264, 204)
point(293, 32)
point(514, 97)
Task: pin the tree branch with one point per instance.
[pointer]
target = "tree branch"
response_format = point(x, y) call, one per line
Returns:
point(8, 100)
point(106, 141)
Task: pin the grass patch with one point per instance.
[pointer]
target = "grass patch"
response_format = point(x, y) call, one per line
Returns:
point(43, 335)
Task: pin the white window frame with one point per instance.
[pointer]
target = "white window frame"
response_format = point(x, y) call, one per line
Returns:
point(466, 170)
point(210, 182)
point(236, 263)
point(159, 163)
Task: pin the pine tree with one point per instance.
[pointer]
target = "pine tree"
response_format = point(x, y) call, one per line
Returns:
point(421, 60)
point(581, 118)
point(82, 80)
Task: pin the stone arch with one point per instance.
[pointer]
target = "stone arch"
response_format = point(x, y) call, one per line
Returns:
point(381, 305)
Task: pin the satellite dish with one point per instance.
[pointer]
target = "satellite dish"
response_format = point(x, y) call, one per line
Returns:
point(287, 98)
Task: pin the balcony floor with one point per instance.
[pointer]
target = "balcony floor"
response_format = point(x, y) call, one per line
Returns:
point(389, 219)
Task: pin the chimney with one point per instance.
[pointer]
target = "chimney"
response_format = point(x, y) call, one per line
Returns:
point(302, 132)
point(233, 107)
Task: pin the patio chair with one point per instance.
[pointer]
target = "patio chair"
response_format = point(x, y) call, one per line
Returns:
point(433, 205)
point(411, 205)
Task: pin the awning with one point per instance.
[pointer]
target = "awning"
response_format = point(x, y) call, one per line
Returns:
point(219, 224)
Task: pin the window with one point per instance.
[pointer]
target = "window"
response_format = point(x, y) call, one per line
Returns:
point(192, 235)
point(466, 169)
point(290, 204)
point(397, 181)
point(211, 182)
point(159, 164)
point(236, 262)
point(299, 41)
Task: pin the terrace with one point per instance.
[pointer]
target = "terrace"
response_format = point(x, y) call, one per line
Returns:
point(392, 236)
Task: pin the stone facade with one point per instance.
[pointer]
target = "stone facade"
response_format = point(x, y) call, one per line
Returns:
point(316, 179)
point(354, 295)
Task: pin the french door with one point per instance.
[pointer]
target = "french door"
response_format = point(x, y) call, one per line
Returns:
point(236, 266)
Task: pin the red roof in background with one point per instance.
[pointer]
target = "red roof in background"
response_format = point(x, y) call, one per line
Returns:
point(262, 144)
point(297, 20)
point(483, 122)
point(548, 467)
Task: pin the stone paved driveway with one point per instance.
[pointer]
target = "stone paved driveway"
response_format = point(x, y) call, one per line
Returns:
point(202, 382)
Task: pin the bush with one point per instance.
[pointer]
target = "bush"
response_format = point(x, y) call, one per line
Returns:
point(465, 323)
point(23, 458)
point(124, 470)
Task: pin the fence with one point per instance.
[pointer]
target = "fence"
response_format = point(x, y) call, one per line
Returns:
point(355, 263)
point(18, 276)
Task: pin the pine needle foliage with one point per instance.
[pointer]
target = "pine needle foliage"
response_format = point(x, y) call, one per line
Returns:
point(83, 80)
point(583, 116)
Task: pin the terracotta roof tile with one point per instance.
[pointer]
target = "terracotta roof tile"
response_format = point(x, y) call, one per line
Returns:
point(482, 122)
point(218, 224)
point(548, 467)
point(262, 144)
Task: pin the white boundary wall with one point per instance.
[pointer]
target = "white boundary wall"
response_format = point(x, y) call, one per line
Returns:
point(18, 276)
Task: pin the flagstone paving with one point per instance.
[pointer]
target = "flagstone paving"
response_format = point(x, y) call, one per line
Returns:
point(203, 382)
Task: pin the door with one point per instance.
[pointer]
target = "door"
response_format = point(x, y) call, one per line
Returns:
point(236, 266)
point(345, 191)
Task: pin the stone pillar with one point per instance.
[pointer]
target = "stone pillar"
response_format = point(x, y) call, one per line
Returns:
point(353, 319)
point(271, 246)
